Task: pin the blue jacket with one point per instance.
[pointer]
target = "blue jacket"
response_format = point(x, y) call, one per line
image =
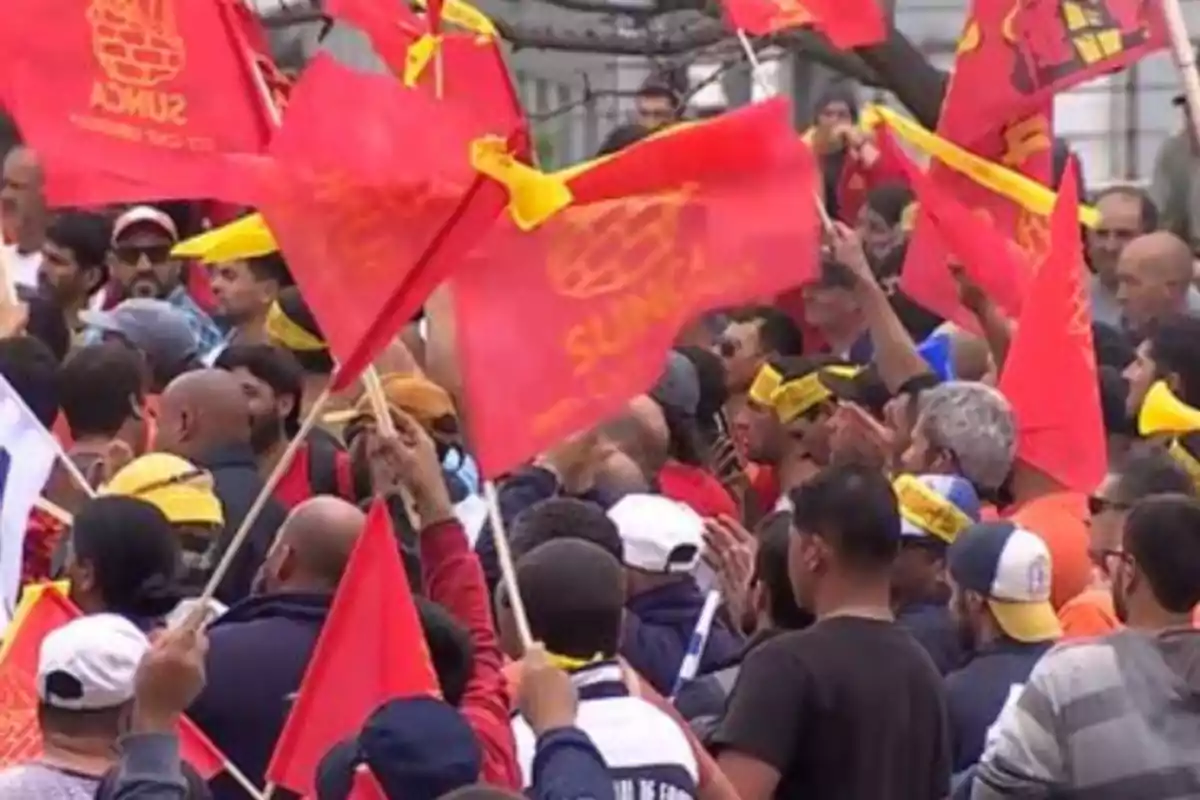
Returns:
point(976, 694)
point(257, 653)
point(567, 766)
point(658, 626)
point(931, 624)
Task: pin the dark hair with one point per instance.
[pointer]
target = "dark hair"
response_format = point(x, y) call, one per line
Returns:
point(565, 518)
point(98, 386)
point(46, 322)
point(889, 200)
point(621, 137)
point(1173, 349)
point(99, 723)
point(134, 553)
point(450, 648)
point(685, 443)
point(1114, 391)
point(32, 371)
point(481, 791)
point(852, 508)
point(314, 362)
point(270, 267)
point(1112, 346)
point(657, 86)
point(87, 236)
point(275, 366)
point(778, 332)
point(710, 373)
point(771, 569)
point(1149, 211)
point(574, 594)
point(1149, 470)
point(1162, 534)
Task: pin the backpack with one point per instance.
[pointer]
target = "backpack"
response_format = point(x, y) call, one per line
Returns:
point(329, 466)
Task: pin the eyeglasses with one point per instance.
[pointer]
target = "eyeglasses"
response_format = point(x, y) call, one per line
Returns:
point(1099, 505)
point(154, 253)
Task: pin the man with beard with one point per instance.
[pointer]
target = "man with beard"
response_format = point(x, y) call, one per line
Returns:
point(1116, 716)
point(74, 267)
point(999, 577)
point(273, 382)
point(245, 289)
point(141, 266)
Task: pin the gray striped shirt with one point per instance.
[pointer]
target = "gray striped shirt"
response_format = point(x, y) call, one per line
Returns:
point(1116, 718)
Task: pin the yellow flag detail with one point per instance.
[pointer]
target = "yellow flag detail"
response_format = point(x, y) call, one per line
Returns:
point(420, 53)
point(465, 15)
point(1024, 191)
point(533, 196)
point(248, 237)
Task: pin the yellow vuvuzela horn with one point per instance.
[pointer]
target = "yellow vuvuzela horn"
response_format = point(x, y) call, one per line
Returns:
point(1163, 412)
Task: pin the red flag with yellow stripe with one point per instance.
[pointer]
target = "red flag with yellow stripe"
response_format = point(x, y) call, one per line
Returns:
point(43, 608)
point(570, 307)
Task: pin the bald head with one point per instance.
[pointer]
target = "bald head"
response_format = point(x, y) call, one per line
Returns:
point(319, 536)
point(1154, 272)
point(202, 410)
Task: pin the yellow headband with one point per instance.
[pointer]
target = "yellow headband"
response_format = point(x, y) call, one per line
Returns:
point(792, 398)
point(283, 331)
point(928, 510)
point(1186, 460)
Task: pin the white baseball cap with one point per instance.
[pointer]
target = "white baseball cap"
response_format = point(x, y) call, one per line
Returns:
point(658, 534)
point(89, 663)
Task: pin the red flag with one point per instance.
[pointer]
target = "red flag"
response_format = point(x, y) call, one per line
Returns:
point(43, 609)
point(473, 71)
point(1044, 47)
point(371, 650)
point(1019, 143)
point(133, 100)
point(355, 207)
point(994, 262)
point(249, 36)
point(1050, 373)
point(847, 23)
point(582, 310)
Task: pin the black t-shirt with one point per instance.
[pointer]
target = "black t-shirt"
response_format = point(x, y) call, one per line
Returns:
point(849, 709)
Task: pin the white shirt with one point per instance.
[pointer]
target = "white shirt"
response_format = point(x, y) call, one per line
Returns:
point(22, 269)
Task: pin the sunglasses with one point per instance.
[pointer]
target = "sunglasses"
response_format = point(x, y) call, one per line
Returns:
point(154, 253)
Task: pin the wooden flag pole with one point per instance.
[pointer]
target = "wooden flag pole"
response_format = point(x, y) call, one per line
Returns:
point(508, 573)
point(752, 57)
point(1185, 61)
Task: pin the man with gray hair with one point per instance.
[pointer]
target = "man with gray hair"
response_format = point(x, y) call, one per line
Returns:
point(964, 429)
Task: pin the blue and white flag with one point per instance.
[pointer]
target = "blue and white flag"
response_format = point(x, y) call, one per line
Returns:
point(27, 452)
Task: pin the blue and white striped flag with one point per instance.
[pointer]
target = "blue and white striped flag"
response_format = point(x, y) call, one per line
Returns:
point(27, 453)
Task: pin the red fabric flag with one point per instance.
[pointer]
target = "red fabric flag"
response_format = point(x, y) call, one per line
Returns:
point(1045, 47)
point(249, 36)
point(131, 101)
point(20, 738)
point(1019, 143)
point(1050, 373)
point(581, 311)
point(473, 70)
point(846, 23)
point(371, 650)
point(994, 262)
point(356, 207)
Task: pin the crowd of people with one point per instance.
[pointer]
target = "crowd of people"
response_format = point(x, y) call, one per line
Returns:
point(806, 563)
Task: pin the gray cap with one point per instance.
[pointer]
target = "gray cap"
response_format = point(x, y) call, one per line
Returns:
point(679, 385)
point(157, 328)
